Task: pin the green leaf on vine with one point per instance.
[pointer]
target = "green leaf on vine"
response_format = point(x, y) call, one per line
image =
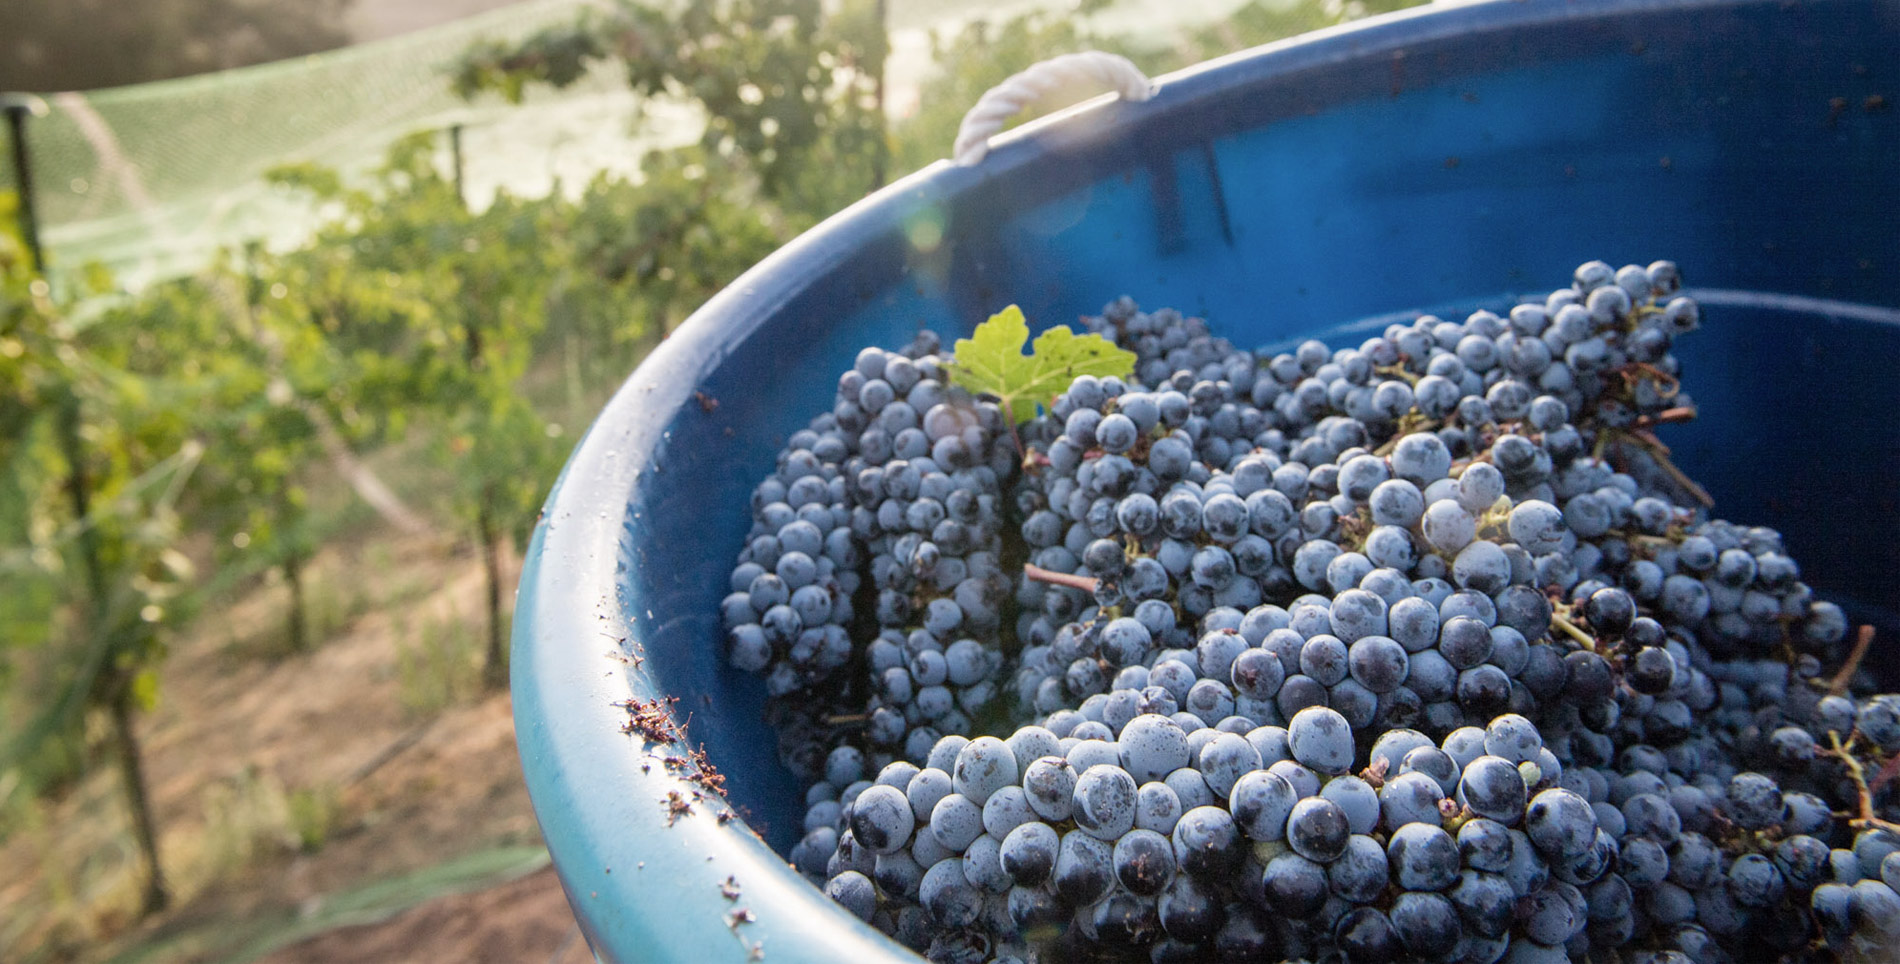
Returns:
point(991, 362)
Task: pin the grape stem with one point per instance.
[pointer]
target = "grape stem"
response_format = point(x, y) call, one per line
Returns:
point(1397, 371)
point(1374, 775)
point(1649, 439)
point(1858, 774)
point(1666, 416)
point(1660, 453)
point(1570, 629)
point(1667, 385)
point(1412, 421)
point(1862, 640)
point(1039, 574)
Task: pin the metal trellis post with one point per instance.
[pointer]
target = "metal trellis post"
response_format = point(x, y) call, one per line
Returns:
point(18, 107)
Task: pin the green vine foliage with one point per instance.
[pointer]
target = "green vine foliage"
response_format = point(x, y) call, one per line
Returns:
point(664, 245)
point(788, 87)
point(96, 454)
point(265, 374)
point(449, 337)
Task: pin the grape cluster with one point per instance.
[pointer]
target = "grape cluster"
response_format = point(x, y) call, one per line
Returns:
point(901, 483)
point(927, 506)
point(1415, 651)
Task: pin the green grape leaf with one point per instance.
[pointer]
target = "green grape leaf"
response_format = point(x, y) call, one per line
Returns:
point(991, 362)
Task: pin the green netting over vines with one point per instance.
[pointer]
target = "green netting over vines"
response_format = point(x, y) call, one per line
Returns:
point(151, 180)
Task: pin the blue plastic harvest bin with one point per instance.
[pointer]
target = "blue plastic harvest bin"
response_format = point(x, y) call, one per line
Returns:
point(1441, 160)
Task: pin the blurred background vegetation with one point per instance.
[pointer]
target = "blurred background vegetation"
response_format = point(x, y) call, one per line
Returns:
point(183, 453)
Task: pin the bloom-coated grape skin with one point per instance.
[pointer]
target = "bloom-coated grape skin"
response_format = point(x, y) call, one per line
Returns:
point(1152, 747)
point(1537, 526)
point(1304, 781)
point(1427, 924)
point(1486, 904)
point(1317, 829)
point(1084, 869)
point(1028, 853)
point(1366, 936)
point(1434, 763)
point(1493, 788)
point(1320, 738)
point(983, 766)
point(1754, 801)
point(1224, 759)
point(1560, 823)
point(948, 895)
point(1144, 862)
point(881, 818)
point(1513, 738)
point(855, 891)
point(955, 821)
point(1049, 785)
point(1423, 857)
point(1261, 802)
point(1105, 802)
point(1295, 886)
point(1206, 842)
point(1408, 798)
point(1378, 663)
point(1006, 810)
point(1357, 799)
point(1393, 744)
point(1257, 674)
point(1325, 658)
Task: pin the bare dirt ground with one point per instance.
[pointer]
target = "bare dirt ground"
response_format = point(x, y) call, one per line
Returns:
point(287, 786)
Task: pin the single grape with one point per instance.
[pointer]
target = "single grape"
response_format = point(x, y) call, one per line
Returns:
point(1206, 842)
point(1560, 823)
point(1493, 788)
point(1028, 853)
point(1366, 936)
point(1427, 924)
point(1084, 870)
point(1486, 905)
point(1295, 886)
point(1224, 759)
point(1144, 862)
point(1317, 830)
point(1422, 857)
point(1320, 738)
point(882, 819)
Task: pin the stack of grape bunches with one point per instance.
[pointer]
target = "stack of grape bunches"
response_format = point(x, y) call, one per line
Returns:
point(1415, 651)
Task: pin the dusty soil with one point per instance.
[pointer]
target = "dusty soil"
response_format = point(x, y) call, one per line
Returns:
point(280, 779)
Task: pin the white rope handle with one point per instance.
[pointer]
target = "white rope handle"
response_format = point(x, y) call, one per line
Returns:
point(1008, 98)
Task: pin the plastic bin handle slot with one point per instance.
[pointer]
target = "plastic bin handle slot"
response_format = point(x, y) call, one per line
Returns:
point(1008, 98)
